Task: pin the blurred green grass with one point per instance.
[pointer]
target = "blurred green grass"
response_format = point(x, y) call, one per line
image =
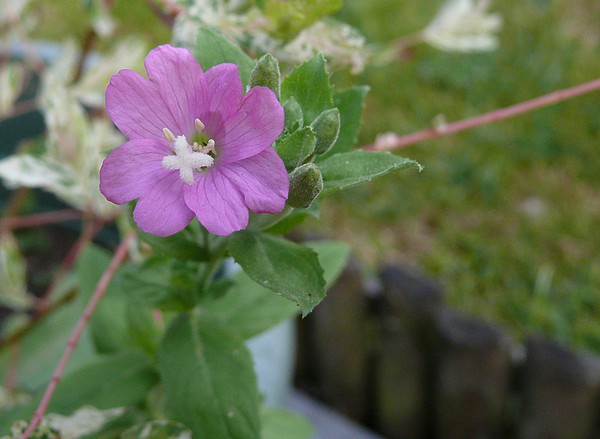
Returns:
point(506, 215)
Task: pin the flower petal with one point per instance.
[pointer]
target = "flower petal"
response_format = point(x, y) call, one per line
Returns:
point(136, 107)
point(224, 94)
point(262, 179)
point(180, 80)
point(131, 169)
point(162, 210)
point(252, 128)
point(217, 203)
point(172, 97)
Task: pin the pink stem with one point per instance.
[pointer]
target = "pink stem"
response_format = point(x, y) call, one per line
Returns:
point(494, 116)
point(118, 258)
point(38, 219)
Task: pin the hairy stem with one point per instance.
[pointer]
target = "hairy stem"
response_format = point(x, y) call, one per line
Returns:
point(107, 276)
point(484, 119)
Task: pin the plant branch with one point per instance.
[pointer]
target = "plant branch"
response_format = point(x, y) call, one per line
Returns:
point(86, 46)
point(107, 276)
point(394, 141)
point(39, 219)
point(167, 18)
point(36, 318)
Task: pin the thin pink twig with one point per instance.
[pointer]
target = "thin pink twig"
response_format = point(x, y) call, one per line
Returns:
point(107, 276)
point(494, 116)
point(39, 219)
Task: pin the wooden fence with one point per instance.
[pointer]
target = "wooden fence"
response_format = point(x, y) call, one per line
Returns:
point(406, 365)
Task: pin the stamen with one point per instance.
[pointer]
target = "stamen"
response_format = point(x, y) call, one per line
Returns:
point(210, 146)
point(169, 135)
point(199, 125)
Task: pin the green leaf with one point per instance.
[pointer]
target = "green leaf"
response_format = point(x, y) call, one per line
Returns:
point(42, 347)
point(208, 379)
point(296, 147)
point(333, 257)
point(249, 308)
point(116, 323)
point(178, 246)
point(91, 265)
point(117, 380)
point(213, 49)
point(351, 103)
point(289, 269)
point(309, 85)
point(105, 382)
point(283, 424)
point(108, 325)
point(142, 329)
point(157, 430)
point(293, 219)
point(348, 169)
point(166, 283)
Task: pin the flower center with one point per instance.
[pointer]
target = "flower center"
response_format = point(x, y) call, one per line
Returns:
point(189, 158)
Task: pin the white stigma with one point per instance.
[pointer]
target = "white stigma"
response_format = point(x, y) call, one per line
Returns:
point(186, 159)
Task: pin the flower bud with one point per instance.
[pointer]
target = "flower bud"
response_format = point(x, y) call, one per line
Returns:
point(266, 73)
point(327, 128)
point(294, 117)
point(306, 183)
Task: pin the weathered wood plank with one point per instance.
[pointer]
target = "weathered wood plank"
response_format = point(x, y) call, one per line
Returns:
point(474, 368)
point(559, 391)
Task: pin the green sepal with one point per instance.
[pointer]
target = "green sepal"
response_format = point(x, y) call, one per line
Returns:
point(327, 128)
point(296, 147)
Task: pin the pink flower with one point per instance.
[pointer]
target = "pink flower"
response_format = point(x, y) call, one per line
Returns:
point(197, 146)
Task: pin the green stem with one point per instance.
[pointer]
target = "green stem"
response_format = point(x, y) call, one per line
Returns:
point(218, 251)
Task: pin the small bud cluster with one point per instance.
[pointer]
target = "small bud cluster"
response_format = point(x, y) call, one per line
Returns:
point(300, 144)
